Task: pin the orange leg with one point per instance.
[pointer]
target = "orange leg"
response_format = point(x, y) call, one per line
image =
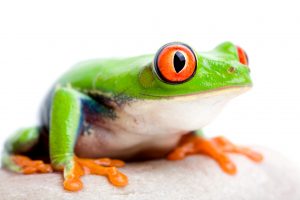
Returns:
point(215, 148)
point(104, 167)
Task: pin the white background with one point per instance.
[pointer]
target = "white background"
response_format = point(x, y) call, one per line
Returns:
point(39, 41)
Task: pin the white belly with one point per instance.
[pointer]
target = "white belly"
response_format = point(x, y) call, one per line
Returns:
point(153, 126)
point(174, 115)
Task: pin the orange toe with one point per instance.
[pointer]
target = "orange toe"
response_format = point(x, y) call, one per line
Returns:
point(209, 148)
point(216, 148)
point(117, 178)
point(109, 162)
point(229, 147)
point(73, 185)
point(29, 166)
point(180, 152)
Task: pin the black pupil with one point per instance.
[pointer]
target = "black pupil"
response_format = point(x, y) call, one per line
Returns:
point(178, 61)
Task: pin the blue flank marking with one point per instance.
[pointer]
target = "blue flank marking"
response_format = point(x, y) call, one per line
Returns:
point(91, 107)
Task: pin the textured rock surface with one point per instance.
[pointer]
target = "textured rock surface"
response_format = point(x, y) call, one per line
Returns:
point(197, 177)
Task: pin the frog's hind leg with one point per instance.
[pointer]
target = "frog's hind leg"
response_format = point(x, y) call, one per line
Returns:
point(216, 148)
point(20, 143)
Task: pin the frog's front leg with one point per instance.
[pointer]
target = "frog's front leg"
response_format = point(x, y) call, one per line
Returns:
point(65, 123)
point(216, 148)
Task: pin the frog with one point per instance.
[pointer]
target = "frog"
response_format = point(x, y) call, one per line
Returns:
point(105, 112)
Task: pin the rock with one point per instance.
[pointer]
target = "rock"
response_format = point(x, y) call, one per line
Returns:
point(197, 177)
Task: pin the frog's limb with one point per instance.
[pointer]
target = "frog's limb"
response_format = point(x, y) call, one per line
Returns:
point(215, 148)
point(21, 142)
point(65, 124)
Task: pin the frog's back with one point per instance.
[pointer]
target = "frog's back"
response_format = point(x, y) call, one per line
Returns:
point(85, 75)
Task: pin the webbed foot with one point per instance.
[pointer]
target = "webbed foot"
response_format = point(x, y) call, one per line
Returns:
point(104, 167)
point(215, 148)
point(28, 166)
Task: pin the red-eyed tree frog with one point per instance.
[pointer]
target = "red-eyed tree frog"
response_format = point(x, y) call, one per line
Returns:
point(107, 111)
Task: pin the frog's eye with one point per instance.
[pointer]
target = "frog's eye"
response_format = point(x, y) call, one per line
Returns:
point(242, 56)
point(175, 63)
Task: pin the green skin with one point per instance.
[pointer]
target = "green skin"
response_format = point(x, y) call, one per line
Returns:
point(117, 82)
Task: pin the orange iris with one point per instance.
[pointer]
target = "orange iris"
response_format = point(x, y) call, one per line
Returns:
point(242, 56)
point(175, 63)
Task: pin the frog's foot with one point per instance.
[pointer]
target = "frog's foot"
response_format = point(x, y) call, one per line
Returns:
point(104, 167)
point(215, 148)
point(28, 166)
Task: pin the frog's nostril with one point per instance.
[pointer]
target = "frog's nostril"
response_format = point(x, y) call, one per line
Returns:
point(231, 70)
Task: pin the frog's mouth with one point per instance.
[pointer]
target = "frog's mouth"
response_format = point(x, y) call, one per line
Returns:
point(230, 90)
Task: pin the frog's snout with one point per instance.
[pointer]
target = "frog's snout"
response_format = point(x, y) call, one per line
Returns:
point(243, 59)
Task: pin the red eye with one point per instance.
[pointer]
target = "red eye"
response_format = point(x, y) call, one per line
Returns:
point(242, 56)
point(175, 63)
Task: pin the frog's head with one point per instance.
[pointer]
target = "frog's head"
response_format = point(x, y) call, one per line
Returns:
point(190, 88)
point(178, 70)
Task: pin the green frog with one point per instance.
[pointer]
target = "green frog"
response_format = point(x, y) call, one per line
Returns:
point(106, 111)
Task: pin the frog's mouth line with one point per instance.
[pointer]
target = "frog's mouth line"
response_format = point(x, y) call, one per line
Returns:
point(208, 93)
